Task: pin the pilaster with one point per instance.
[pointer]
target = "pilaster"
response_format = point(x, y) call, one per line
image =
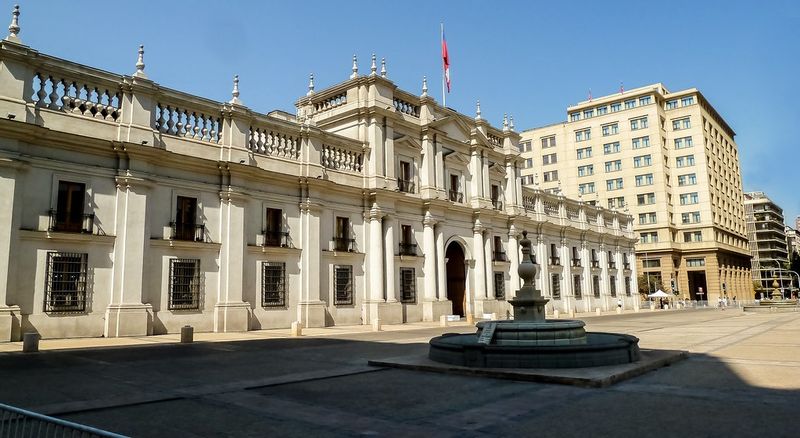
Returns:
point(310, 308)
point(513, 257)
point(231, 314)
point(9, 315)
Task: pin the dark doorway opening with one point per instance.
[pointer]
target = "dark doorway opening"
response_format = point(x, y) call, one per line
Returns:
point(456, 277)
point(697, 286)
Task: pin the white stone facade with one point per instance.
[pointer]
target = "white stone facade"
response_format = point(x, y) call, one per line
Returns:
point(129, 209)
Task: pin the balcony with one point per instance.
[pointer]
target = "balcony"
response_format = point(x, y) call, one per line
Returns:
point(408, 249)
point(456, 196)
point(595, 263)
point(276, 238)
point(499, 256)
point(189, 232)
point(626, 266)
point(405, 185)
point(345, 244)
point(71, 223)
point(576, 263)
point(555, 261)
point(497, 204)
point(612, 265)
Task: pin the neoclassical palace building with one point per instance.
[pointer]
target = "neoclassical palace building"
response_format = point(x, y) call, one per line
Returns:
point(127, 208)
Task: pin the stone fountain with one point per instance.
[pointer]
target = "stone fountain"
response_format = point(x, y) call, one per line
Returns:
point(530, 340)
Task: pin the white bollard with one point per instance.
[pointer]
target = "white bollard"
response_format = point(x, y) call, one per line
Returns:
point(597, 311)
point(443, 321)
point(30, 342)
point(376, 325)
point(297, 329)
point(555, 313)
point(571, 313)
point(494, 316)
point(619, 310)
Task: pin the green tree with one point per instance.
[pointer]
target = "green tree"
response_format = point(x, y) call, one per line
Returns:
point(644, 288)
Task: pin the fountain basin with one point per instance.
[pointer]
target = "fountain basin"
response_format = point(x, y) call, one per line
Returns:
point(597, 349)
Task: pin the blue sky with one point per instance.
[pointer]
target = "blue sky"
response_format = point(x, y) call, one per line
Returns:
point(527, 58)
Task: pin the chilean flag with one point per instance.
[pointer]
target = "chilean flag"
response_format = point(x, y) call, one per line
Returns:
point(445, 61)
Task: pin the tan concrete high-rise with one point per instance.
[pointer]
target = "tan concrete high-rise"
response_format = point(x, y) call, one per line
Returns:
point(671, 160)
point(766, 233)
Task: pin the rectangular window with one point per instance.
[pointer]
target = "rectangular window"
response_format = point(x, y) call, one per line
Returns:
point(618, 202)
point(342, 239)
point(642, 161)
point(596, 286)
point(640, 142)
point(650, 237)
point(583, 135)
point(408, 285)
point(273, 232)
point(548, 142)
point(612, 285)
point(524, 146)
point(529, 163)
point(184, 284)
point(645, 198)
point(550, 176)
point(586, 188)
point(65, 287)
point(630, 104)
point(611, 148)
point(273, 284)
point(576, 286)
point(588, 113)
point(684, 161)
point(616, 107)
point(644, 100)
point(640, 123)
point(644, 180)
point(613, 166)
point(672, 104)
point(684, 123)
point(549, 159)
point(499, 286)
point(647, 218)
point(689, 198)
point(455, 188)
point(651, 263)
point(405, 181)
point(690, 218)
point(610, 129)
point(687, 101)
point(627, 286)
point(556, 286)
point(185, 227)
point(68, 215)
point(602, 110)
point(693, 236)
point(343, 285)
point(687, 180)
point(586, 170)
point(584, 153)
point(695, 263)
point(614, 184)
point(574, 117)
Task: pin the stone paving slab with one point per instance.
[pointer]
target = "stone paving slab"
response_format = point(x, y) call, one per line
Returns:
point(593, 377)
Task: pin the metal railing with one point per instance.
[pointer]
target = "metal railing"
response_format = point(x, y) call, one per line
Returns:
point(456, 196)
point(595, 263)
point(576, 263)
point(68, 223)
point(405, 185)
point(16, 422)
point(612, 265)
point(276, 238)
point(499, 256)
point(409, 249)
point(343, 244)
point(555, 261)
point(192, 232)
point(497, 204)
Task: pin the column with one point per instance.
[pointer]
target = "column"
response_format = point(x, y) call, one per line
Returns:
point(586, 274)
point(427, 173)
point(479, 292)
point(126, 315)
point(231, 314)
point(604, 293)
point(476, 176)
point(567, 291)
point(8, 178)
point(487, 251)
point(439, 163)
point(375, 162)
point(544, 268)
point(388, 237)
point(621, 277)
point(375, 257)
point(311, 308)
point(513, 257)
point(441, 268)
point(431, 255)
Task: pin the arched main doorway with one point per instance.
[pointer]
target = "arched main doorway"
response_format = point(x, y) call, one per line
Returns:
point(456, 277)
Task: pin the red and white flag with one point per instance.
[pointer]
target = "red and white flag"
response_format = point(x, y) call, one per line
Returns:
point(445, 61)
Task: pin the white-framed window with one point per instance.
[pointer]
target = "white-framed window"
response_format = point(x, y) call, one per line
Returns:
point(696, 263)
point(644, 180)
point(584, 153)
point(642, 161)
point(549, 159)
point(679, 124)
point(611, 148)
point(638, 123)
point(602, 110)
point(586, 188)
point(672, 104)
point(617, 202)
point(641, 142)
point(616, 107)
point(630, 104)
point(647, 218)
point(644, 100)
point(583, 134)
point(586, 170)
point(613, 166)
point(614, 184)
point(551, 176)
point(648, 237)
point(693, 236)
point(574, 117)
point(688, 179)
point(684, 161)
point(548, 142)
point(683, 142)
point(610, 129)
point(645, 198)
point(689, 198)
point(690, 217)
point(589, 113)
point(686, 101)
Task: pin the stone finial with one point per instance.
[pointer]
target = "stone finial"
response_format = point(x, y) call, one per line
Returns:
point(505, 122)
point(478, 110)
point(383, 67)
point(13, 28)
point(373, 68)
point(511, 123)
point(310, 85)
point(424, 86)
point(355, 68)
point(140, 64)
point(235, 92)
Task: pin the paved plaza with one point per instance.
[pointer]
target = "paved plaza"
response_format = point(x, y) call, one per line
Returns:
point(741, 379)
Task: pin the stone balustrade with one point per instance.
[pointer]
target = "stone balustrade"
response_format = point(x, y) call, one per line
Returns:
point(406, 107)
point(575, 214)
point(57, 88)
point(330, 102)
point(342, 158)
point(196, 124)
point(272, 141)
point(495, 139)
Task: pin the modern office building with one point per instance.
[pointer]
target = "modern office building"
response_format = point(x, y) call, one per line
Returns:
point(766, 233)
point(670, 160)
point(128, 208)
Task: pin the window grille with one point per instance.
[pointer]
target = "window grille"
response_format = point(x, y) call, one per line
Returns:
point(627, 286)
point(66, 282)
point(612, 285)
point(499, 286)
point(408, 285)
point(596, 286)
point(556, 286)
point(576, 284)
point(343, 285)
point(184, 284)
point(273, 284)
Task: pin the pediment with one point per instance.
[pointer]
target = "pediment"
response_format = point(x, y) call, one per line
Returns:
point(497, 169)
point(406, 140)
point(455, 128)
point(454, 157)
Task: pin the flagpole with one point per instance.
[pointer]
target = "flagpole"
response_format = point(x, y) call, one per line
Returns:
point(441, 44)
